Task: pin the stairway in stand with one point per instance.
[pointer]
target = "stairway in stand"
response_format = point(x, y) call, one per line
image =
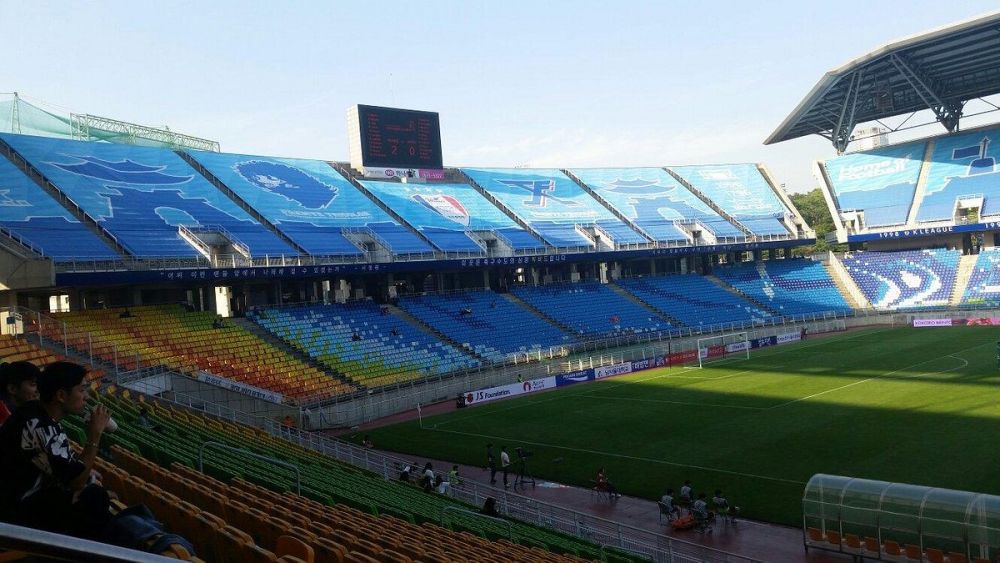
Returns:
point(258, 331)
point(966, 265)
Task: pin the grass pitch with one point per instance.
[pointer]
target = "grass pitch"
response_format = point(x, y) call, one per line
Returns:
point(911, 405)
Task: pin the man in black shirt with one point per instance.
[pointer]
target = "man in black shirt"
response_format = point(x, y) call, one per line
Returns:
point(43, 483)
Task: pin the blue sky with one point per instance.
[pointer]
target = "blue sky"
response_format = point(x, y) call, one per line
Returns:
point(517, 83)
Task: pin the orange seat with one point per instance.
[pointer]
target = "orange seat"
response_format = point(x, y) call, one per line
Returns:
point(355, 557)
point(815, 535)
point(953, 557)
point(291, 545)
point(329, 551)
point(833, 537)
point(872, 545)
point(934, 555)
point(913, 552)
point(892, 548)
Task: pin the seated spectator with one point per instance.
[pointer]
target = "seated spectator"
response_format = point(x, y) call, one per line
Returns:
point(42, 479)
point(686, 494)
point(394, 332)
point(465, 311)
point(126, 314)
point(453, 477)
point(720, 504)
point(404, 475)
point(490, 508)
point(355, 337)
point(146, 422)
point(667, 507)
point(218, 323)
point(602, 484)
point(700, 507)
point(367, 442)
point(427, 481)
point(441, 485)
point(18, 385)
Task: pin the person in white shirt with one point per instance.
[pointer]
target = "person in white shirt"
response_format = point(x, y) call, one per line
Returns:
point(686, 493)
point(428, 479)
point(700, 507)
point(504, 464)
point(667, 505)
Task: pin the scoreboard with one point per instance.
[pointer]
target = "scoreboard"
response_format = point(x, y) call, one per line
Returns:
point(391, 138)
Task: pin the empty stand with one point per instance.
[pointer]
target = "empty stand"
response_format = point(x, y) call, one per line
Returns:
point(553, 206)
point(881, 183)
point(488, 323)
point(741, 191)
point(33, 217)
point(360, 341)
point(655, 201)
point(187, 343)
point(693, 299)
point(590, 308)
point(897, 280)
point(789, 287)
point(19, 350)
point(141, 195)
point(309, 201)
point(984, 284)
point(449, 214)
point(962, 167)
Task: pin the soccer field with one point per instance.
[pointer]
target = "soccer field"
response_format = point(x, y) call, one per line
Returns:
point(912, 405)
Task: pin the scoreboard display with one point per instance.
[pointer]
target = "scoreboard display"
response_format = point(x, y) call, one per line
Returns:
point(383, 137)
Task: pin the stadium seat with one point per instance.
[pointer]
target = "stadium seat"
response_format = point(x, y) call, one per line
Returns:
point(693, 300)
point(590, 308)
point(913, 552)
point(296, 547)
point(742, 192)
point(904, 279)
point(790, 287)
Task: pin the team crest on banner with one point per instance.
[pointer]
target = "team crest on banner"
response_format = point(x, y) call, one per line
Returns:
point(444, 205)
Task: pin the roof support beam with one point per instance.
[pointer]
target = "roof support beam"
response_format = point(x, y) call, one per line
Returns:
point(947, 111)
point(841, 133)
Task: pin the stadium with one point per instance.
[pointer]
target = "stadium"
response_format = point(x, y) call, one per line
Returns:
point(283, 342)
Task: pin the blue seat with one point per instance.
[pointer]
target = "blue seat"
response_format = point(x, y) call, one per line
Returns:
point(693, 299)
point(446, 213)
point(741, 191)
point(495, 328)
point(552, 205)
point(962, 165)
point(791, 287)
point(387, 349)
point(653, 200)
point(904, 279)
point(880, 182)
point(141, 195)
point(984, 283)
point(31, 215)
point(591, 309)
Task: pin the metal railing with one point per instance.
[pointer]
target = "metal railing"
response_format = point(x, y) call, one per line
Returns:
point(51, 546)
point(244, 451)
point(600, 531)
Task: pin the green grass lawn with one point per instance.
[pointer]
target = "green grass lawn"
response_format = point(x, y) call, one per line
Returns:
point(911, 405)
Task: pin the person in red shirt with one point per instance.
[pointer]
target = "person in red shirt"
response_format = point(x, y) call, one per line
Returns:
point(19, 385)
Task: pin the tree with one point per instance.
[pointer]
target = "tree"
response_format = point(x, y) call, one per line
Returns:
point(812, 206)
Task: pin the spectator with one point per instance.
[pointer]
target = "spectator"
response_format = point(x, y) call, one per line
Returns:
point(288, 422)
point(217, 322)
point(490, 508)
point(491, 463)
point(427, 482)
point(404, 475)
point(667, 507)
point(126, 314)
point(700, 507)
point(602, 483)
point(394, 332)
point(367, 442)
point(355, 337)
point(721, 506)
point(41, 478)
point(18, 385)
point(146, 422)
point(441, 485)
point(453, 477)
point(686, 493)
point(504, 465)
point(465, 311)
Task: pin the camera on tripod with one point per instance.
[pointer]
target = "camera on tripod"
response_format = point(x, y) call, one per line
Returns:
point(523, 453)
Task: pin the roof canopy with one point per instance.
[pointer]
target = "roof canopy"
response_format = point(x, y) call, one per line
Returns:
point(938, 70)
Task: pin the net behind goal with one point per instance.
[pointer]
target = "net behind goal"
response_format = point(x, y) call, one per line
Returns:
point(724, 346)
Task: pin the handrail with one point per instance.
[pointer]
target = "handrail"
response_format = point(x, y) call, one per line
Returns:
point(221, 446)
point(67, 548)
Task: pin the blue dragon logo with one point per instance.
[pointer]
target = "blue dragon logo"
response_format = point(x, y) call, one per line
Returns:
point(287, 181)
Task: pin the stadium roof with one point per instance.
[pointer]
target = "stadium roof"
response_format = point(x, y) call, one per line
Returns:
point(938, 70)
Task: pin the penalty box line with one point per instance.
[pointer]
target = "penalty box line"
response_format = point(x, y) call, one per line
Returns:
point(953, 355)
point(622, 456)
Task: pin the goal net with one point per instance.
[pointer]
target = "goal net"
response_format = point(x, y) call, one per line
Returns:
point(723, 346)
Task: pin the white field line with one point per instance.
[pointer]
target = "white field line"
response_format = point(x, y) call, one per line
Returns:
point(622, 456)
point(952, 355)
point(777, 351)
point(721, 406)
